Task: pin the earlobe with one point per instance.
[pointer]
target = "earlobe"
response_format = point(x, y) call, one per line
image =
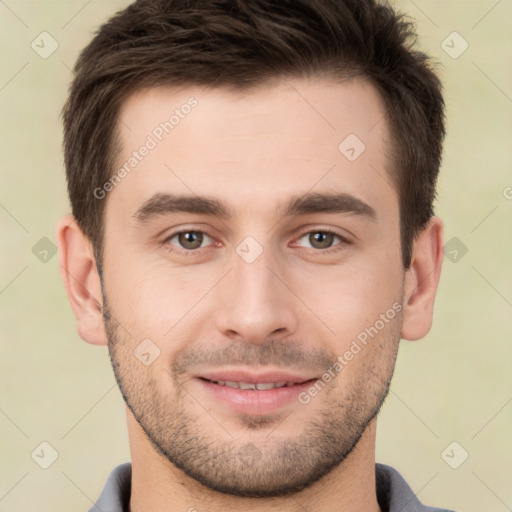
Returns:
point(81, 280)
point(422, 280)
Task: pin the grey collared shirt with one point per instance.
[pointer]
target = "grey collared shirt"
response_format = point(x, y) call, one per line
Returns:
point(393, 493)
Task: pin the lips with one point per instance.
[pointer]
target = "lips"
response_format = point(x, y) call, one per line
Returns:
point(254, 393)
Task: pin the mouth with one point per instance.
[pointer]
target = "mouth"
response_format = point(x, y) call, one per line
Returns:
point(255, 386)
point(256, 394)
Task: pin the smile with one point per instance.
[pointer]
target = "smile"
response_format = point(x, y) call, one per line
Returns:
point(260, 386)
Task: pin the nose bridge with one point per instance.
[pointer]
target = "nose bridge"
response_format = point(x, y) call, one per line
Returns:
point(253, 303)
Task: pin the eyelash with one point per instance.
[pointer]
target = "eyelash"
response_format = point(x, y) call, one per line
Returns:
point(193, 252)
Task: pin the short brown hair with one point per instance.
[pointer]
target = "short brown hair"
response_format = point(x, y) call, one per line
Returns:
point(243, 44)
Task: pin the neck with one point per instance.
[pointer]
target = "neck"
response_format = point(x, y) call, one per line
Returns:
point(159, 486)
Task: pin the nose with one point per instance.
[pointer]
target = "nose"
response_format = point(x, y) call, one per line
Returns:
point(253, 302)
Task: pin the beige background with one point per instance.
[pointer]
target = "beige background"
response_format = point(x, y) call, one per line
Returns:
point(455, 385)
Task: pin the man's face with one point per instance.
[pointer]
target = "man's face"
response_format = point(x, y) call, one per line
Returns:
point(280, 289)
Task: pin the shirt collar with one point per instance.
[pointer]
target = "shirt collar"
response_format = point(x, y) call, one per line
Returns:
point(393, 492)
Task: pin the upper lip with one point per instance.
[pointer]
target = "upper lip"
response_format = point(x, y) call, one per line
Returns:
point(254, 377)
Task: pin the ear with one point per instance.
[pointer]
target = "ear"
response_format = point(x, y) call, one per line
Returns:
point(78, 271)
point(422, 279)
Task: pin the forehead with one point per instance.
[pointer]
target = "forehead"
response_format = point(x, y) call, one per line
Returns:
point(251, 147)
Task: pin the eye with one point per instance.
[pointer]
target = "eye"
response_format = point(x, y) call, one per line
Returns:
point(189, 240)
point(322, 239)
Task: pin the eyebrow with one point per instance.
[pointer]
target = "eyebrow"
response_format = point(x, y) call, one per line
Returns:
point(332, 203)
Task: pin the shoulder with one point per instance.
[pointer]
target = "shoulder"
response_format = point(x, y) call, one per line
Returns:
point(115, 496)
point(394, 494)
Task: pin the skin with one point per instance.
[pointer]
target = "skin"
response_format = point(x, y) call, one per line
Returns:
point(297, 306)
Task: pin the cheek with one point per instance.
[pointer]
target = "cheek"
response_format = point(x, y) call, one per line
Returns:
point(351, 298)
point(155, 301)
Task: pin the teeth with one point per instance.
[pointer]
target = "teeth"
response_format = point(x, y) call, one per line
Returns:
point(266, 385)
point(250, 385)
point(245, 385)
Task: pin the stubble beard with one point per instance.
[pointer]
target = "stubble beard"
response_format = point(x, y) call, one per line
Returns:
point(238, 466)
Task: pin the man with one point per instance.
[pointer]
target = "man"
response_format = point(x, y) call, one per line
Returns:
point(252, 188)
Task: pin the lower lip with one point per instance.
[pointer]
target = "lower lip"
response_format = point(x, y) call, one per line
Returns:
point(248, 401)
